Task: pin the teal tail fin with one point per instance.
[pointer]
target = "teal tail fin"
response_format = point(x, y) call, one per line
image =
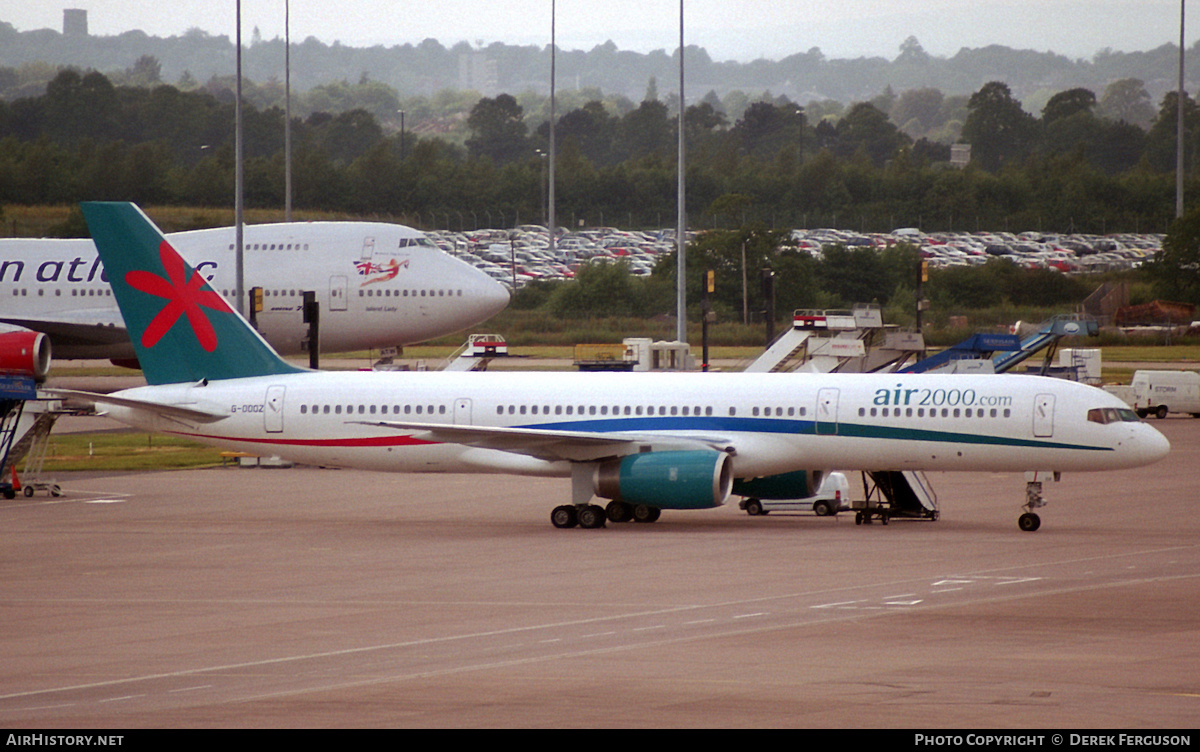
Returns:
point(182, 330)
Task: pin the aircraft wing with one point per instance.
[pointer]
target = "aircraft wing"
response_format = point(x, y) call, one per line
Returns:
point(552, 444)
point(178, 412)
point(77, 328)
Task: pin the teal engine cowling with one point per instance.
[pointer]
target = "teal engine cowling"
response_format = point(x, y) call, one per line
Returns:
point(798, 485)
point(667, 480)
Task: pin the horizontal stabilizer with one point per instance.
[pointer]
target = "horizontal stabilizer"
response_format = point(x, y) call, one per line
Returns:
point(192, 414)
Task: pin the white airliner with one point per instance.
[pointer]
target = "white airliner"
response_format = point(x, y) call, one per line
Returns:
point(378, 285)
point(646, 441)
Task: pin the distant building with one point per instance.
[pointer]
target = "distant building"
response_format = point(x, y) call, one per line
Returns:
point(960, 154)
point(74, 22)
point(477, 71)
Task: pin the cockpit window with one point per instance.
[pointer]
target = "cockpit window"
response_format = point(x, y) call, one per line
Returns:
point(1104, 415)
point(410, 242)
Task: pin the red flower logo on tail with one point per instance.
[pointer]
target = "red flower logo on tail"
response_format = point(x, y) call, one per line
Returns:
point(184, 297)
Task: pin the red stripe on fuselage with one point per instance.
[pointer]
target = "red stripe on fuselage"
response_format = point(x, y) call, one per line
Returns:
point(380, 441)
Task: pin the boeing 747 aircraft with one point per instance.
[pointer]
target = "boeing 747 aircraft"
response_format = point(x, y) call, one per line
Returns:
point(378, 285)
point(647, 442)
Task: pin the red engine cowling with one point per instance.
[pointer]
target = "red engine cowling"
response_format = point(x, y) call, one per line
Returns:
point(25, 354)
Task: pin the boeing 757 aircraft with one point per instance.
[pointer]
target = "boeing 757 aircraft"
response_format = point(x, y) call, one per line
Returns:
point(647, 442)
point(378, 285)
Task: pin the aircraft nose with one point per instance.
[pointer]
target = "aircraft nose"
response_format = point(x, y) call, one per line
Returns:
point(495, 297)
point(1154, 445)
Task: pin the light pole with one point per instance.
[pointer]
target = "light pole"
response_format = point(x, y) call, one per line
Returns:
point(401, 135)
point(681, 224)
point(1179, 122)
point(239, 264)
point(542, 185)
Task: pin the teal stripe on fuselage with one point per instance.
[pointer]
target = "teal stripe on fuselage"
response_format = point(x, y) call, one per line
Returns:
point(798, 427)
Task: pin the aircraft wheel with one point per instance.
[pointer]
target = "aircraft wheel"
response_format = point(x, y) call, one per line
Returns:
point(1161, 412)
point(619, 511)
point(564, 517)
point(753, 507)
point(645, 513)
point(1029, 522)
point(591, 517)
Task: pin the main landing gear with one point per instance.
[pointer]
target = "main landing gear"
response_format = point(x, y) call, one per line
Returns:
point(592, 516)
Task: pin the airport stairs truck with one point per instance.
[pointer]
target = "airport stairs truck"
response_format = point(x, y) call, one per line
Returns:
point(838, 341)
point(998, 353)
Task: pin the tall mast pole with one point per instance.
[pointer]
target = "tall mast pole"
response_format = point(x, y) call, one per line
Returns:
point(287, 112)
point(553, 152)
point(681, 224)
point(1179, 122)
point(238, 195)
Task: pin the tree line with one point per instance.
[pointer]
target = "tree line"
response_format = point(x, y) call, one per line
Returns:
point(1074, 167)
point(429, 67)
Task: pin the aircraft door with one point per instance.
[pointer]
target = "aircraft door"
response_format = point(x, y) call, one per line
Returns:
point(1043, 415)
point(337, 293)
point(273, 410)
point(462, 412)
point(827, 409)
point(368, 251)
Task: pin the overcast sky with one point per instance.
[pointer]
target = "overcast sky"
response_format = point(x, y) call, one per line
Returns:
point(728, 29)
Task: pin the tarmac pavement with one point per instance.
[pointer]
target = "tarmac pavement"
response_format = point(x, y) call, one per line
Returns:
point(333, 598)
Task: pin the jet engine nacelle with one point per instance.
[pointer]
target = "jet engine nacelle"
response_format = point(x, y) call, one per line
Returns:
point(667, 480)
point(25, 354)
point(797, 485)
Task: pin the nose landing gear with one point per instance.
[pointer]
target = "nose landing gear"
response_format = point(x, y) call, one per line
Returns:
point(1029, 521)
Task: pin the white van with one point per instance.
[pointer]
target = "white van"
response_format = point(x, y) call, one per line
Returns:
point(1159, 392)
point(832, 496)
